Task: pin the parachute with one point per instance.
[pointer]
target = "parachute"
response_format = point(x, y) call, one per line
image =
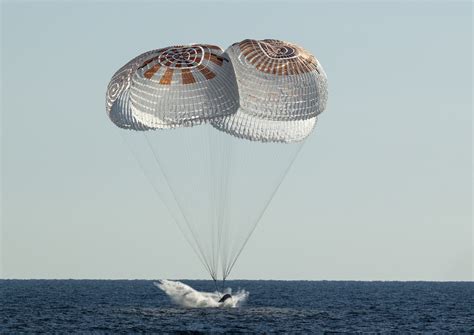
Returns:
point(216, 132)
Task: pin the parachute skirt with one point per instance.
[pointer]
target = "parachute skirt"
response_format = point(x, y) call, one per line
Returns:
point(245, 126)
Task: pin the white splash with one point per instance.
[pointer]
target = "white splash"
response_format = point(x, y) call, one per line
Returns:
point(186, 296)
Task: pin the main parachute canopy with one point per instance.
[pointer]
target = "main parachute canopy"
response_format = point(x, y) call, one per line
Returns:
point(177, 86)
point(267, 91)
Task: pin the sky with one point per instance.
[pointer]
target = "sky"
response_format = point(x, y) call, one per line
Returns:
point(382, 190)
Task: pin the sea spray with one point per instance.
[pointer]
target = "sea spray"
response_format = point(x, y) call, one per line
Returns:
point(184, 295)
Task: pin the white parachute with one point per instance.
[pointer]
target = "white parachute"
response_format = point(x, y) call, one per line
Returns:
point(235, 122)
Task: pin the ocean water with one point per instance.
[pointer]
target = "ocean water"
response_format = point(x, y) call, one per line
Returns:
point(130, 306)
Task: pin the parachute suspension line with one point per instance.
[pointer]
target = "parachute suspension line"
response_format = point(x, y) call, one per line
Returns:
point(211, 194)
point(238, 177)
point(196, 141)
point(213, 188)
point(205, 164)
point(189, 144)
point(228, 145)
point(157, 192)
point(217, 161)
point(193, 233)
point(209, 183)
point(230, 167)
point(280, 180)
point(211, 202)
point(267, 203)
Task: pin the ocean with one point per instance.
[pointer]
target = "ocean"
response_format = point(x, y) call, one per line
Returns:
point(133, 306)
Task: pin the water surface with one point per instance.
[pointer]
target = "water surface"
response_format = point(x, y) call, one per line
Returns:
point(272, 306)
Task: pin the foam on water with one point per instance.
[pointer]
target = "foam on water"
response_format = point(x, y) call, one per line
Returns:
point(184, 295)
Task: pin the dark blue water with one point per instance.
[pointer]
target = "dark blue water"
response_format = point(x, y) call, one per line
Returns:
point(273, 306)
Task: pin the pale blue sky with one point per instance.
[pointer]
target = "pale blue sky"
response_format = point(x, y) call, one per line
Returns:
point(381, 191)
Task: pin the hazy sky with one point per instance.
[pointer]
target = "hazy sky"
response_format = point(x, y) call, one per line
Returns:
point(382, 190)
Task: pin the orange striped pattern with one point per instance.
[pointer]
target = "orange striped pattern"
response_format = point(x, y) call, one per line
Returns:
point(187, 77)
point(206, 72)
point(277, 57)
point(167, 77)
point(150, 72)
point(186, 61)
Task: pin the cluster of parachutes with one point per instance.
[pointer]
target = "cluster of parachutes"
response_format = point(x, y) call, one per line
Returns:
point(269, 91)
point(238, 119)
